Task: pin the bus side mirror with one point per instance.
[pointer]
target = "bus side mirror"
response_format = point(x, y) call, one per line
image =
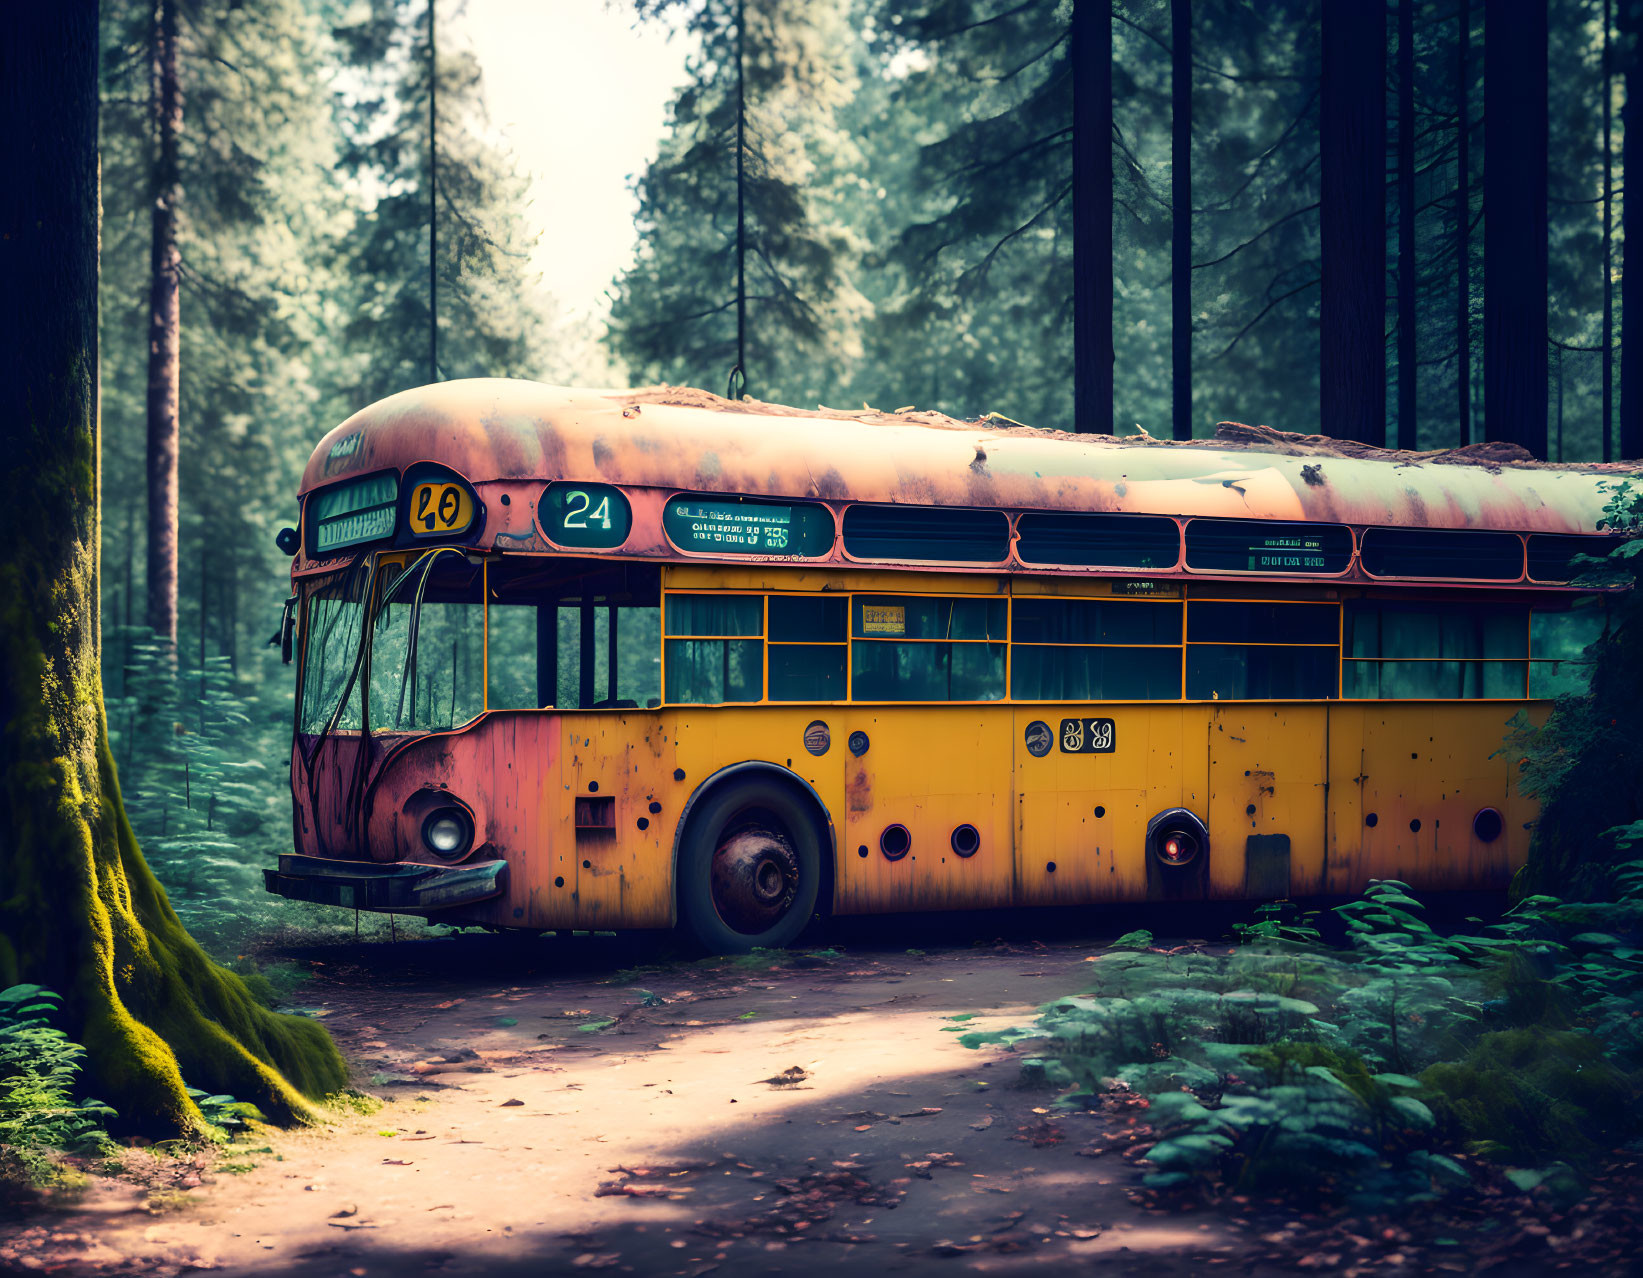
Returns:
point(284, 636)
point(288, 541)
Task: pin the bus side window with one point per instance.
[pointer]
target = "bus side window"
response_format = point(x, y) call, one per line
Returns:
point(1557, 645)
point(1096, 650)
point(918, 648)
point(809, 646)
point(511, 660)
point(714, 648)
point(567, 638)
point(1454, 651)
point(1262, 651)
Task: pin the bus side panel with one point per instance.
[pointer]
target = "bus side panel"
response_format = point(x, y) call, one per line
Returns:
point(1267, 779)
point(504, 769)
point(606, 841)
point(1158, 761)
point(521, 753)
point(1406, 781)
point(700, 742)
point(931, 769)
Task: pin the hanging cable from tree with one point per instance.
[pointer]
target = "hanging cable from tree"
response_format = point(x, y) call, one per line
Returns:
point(736, 384)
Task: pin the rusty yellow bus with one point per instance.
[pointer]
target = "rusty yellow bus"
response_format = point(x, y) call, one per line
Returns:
point(574, 659)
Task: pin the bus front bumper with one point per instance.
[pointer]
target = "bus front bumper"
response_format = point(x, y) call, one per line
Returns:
point(399, 888)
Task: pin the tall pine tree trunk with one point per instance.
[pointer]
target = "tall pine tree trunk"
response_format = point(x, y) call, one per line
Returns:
point(80, 912)
point(1463, 224)
point(1608, 240)
point(1181, 217)
point(1352, 222)
point(1092, 216)
point(1407, 278)
point(164, 332)
point(1515, 348)
point(1631, 245)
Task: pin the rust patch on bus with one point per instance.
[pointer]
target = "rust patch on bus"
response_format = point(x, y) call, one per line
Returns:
point(859, 792)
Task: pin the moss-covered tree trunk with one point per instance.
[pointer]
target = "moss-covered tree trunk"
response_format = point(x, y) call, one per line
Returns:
point(79, 909)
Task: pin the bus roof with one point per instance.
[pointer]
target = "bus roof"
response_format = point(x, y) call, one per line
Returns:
point(679, 439)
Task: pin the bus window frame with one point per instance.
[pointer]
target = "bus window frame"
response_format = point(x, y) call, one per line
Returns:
point(984, 566)
point(854, 639)
point(1522, 578)
point(1179, 601)
point(1232, 591)
point(1260, 597)
point(1267, 574)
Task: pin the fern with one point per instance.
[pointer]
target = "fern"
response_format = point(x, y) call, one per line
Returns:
point(39, 1064)
point(1347, 1073)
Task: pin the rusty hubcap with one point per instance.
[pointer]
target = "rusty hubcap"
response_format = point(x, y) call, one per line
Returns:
point(755, 879)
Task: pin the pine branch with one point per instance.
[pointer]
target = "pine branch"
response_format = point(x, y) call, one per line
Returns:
point(1259, 316)
point(1198, 266)
point(979, 271)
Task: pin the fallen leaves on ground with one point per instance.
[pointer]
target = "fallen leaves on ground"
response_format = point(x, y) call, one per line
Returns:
point(459, 1060)
point(808, 1200)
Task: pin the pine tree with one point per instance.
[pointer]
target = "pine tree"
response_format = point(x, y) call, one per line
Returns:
point(987, 255)
point(254, 231)
point(1091, 52)
point(488, 322)
point(743, 260)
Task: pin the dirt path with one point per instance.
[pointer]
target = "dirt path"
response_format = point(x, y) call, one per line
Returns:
point(516, 1137)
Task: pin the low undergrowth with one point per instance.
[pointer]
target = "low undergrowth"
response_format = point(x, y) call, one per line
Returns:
point(40, 1116)
point(1393, 1070)
point(51, 1133)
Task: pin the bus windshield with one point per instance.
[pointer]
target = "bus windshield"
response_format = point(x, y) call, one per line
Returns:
point(412, 662)
point(561, 635)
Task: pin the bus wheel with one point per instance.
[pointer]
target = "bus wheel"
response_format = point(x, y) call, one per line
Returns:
point(749, 868)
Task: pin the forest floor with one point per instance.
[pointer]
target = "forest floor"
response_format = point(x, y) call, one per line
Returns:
point(545, 1109)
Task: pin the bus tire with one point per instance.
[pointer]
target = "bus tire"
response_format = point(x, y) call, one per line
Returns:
point(750, 867)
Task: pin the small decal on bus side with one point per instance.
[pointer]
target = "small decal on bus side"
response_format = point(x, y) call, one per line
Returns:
point(1088, 736)
point(883, 619)
point(1039, 738)
point(817, 738)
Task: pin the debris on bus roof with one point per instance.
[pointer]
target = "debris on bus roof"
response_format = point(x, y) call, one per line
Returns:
point(1491, 454)
point(670, 439)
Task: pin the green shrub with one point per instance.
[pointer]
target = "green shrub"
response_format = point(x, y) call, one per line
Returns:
point(38, 1067)
point(1345, 1073)
point(1532, 1094)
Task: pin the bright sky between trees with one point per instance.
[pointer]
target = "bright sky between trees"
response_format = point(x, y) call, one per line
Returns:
point(578, 90)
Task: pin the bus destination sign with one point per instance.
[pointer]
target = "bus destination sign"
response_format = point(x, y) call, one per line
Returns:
point(587, 516)
point(1256, 545)
point(748, 528)
point(1288, 554)
point(352, 513)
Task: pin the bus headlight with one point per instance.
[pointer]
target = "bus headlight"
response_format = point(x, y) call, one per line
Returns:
point(447, 832)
